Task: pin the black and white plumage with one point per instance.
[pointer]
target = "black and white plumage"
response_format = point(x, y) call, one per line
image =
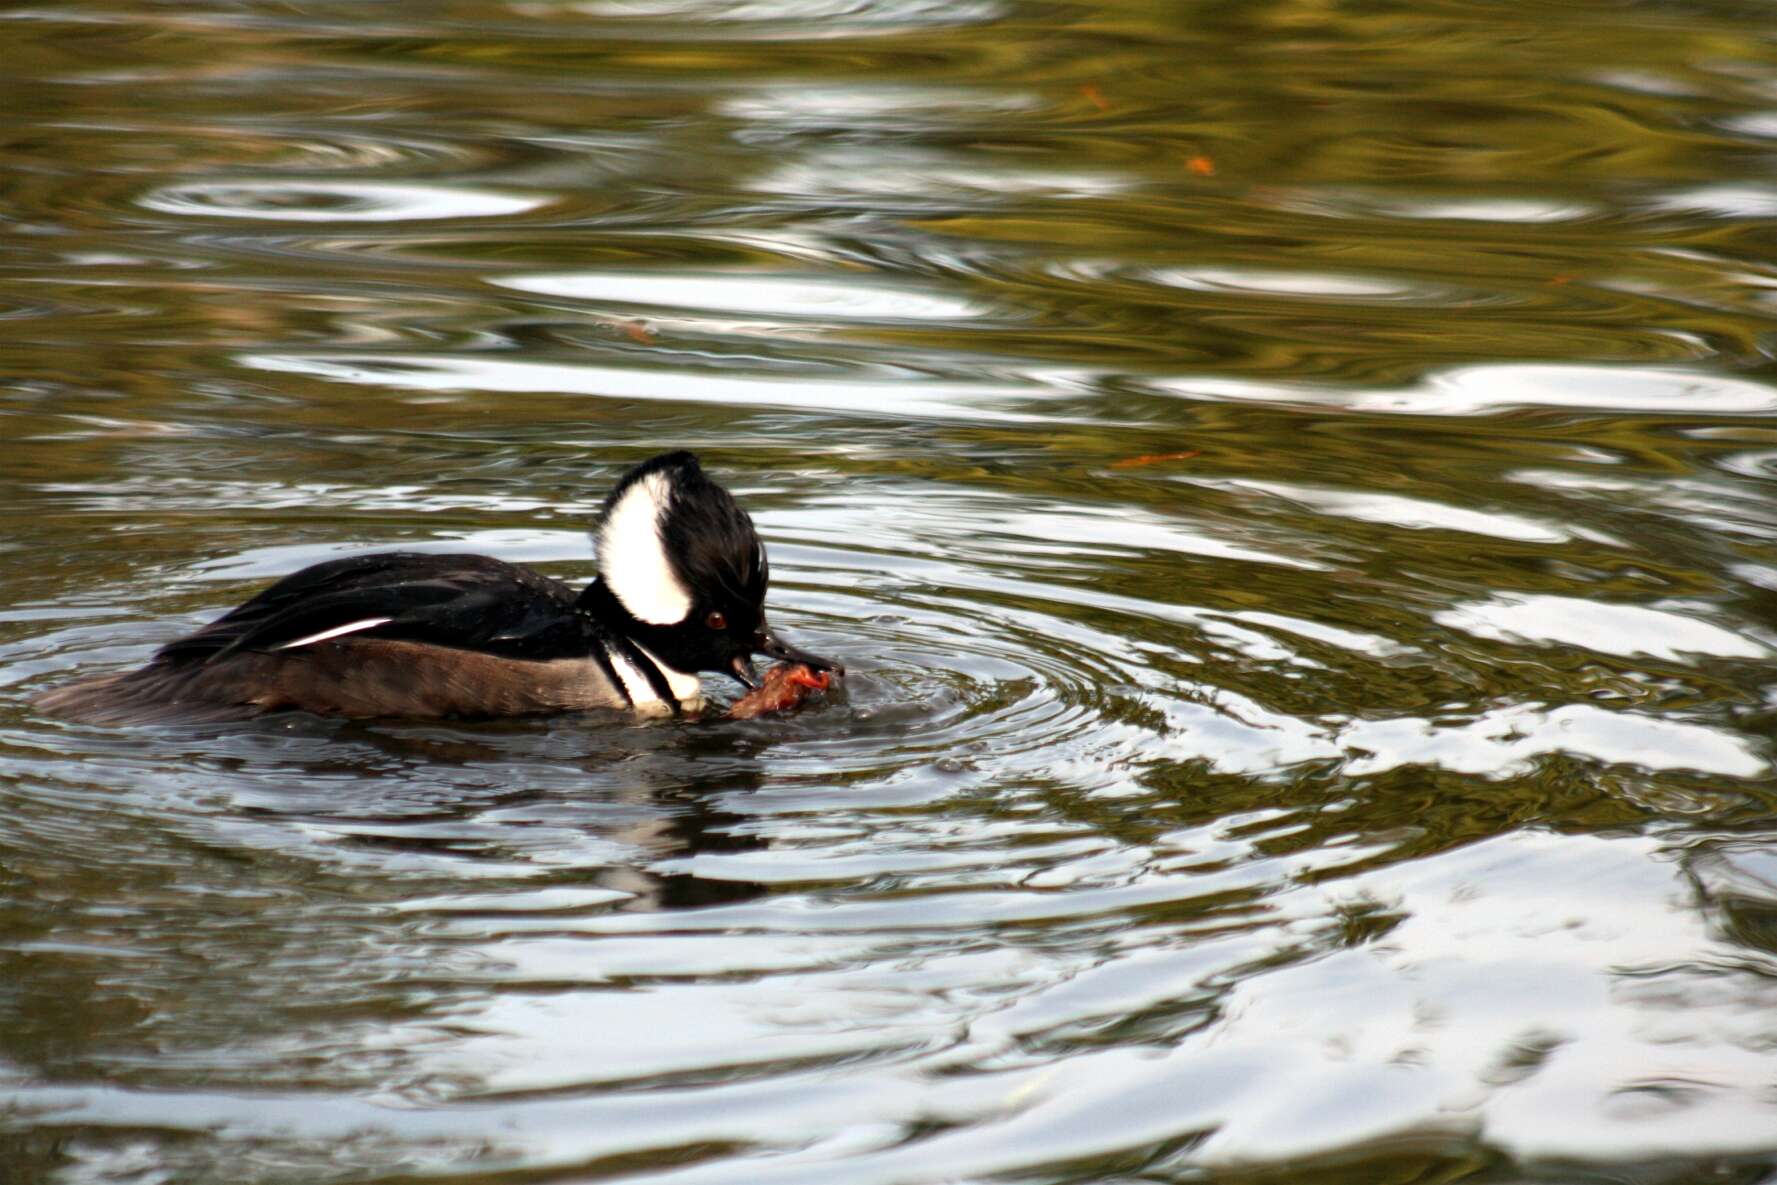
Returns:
point(681, 589)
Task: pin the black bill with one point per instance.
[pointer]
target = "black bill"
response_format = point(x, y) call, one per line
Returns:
point(776, 649)
point(771, 646)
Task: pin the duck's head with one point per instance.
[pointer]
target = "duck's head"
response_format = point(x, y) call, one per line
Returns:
point(687, 571)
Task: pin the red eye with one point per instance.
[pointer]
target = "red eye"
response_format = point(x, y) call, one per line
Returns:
point(716, 621)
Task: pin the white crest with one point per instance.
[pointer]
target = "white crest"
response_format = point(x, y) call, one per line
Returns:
point(632, 558)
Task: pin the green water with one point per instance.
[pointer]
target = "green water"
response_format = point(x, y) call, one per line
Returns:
point(1291, 482)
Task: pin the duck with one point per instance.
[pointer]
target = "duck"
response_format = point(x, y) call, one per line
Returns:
point(680, 591)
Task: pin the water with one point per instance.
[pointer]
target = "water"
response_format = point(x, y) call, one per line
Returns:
point(1292, 484)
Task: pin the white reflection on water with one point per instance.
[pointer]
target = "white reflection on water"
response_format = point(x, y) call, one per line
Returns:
point(831, 105)
point(824, 392)
point(1473, 390)
point(1414, 514)
point(1595, 625)
point(933, 523)
point(193, 494)
point(1488, 210)
point(1533, 990)
point(1022, 533)
point(1534, 985)
point(1762, 124)
point(1482, 1012)
point(342, 200)
point(522, 1041)
point(1360, 203)
point(762, 295)
point(1286, 283)
point(1507, 742)
point(927, 176)
point(1728, 201)
point(790, 19)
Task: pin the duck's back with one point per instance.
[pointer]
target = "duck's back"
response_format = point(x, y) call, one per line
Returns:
point(389, 634)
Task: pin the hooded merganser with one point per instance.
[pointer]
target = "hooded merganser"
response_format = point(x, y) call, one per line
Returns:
point(680, 589)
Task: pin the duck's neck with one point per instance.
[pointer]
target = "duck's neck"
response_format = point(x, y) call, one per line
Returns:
point(652, 644)
point(598, 602)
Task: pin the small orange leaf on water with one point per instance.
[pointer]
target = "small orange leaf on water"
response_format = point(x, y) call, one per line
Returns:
point(1151, 459)
point(637, 332)
point(1201, 165)
point(1094, 96)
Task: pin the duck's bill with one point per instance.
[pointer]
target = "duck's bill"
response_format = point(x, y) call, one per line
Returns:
point(742, 669)
point(776, 649)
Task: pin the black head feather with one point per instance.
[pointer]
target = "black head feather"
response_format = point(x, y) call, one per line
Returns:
point(712, 549)
point(709, 538)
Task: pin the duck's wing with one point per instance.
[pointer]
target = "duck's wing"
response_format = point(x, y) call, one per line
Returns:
point(467, 602)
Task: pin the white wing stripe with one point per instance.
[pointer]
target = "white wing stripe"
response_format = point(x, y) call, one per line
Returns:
point(337, 631)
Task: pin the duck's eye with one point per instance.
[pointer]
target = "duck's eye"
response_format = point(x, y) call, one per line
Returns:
point(716, 621)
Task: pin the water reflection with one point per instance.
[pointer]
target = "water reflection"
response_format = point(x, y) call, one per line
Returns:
point(1290, 484)
point(762, 295)
point(1488, 388)
point(334, 201)
point(1612, 629)
point(813, 390)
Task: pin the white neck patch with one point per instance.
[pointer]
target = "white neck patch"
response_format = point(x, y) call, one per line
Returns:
point(632, 559)
point(686, 688)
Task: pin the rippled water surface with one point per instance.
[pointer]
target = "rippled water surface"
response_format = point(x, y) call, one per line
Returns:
point(1293, 483)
